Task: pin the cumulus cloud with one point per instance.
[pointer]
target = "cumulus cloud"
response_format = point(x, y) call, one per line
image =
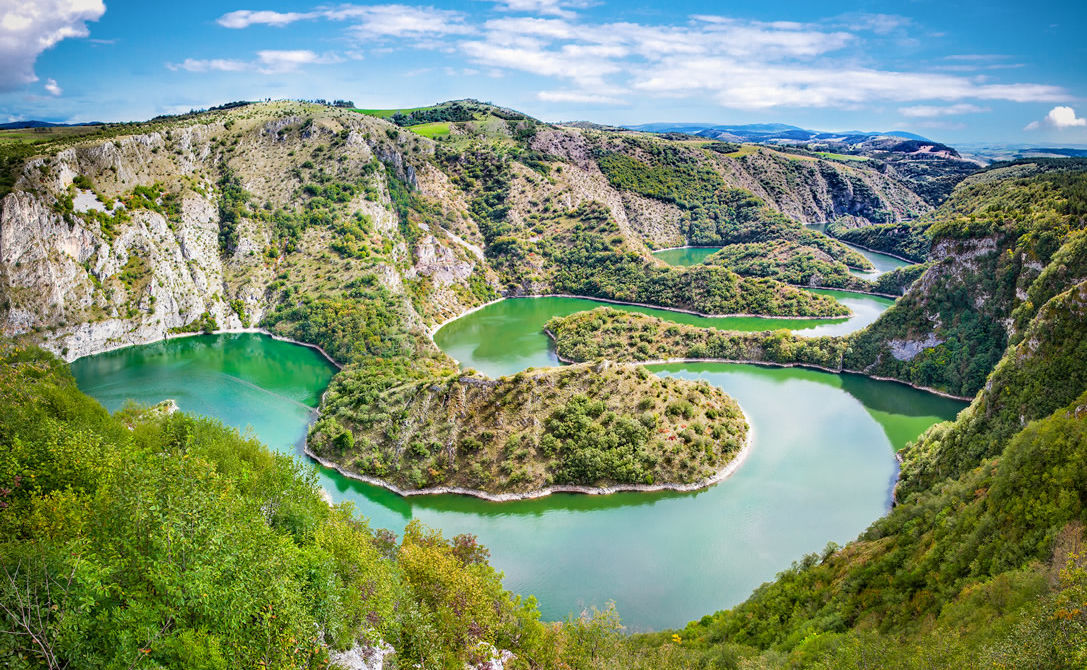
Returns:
point(29, 28)
point(584, 97)
point(401, 21)
point(930, 111)
point(272, 61)
point(739, 63)
point(52, 87)
point(1058, 118)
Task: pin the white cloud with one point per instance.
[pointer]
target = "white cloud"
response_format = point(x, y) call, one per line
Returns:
point(266, 62)
point(52, 87)
point(929, 111)
point(272, 61)
point(1059, 118)
point(586, 97)
point(214, 64)
point(393, 20)
point(880, 24)
point(754, 85)
point(401, 21)
point(561, 8)
point(29, 28)
point(243, 18)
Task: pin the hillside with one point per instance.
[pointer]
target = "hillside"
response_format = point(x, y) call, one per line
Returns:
point(980, 564)
point(572, 426)
point(221, 217)
point(361, 230)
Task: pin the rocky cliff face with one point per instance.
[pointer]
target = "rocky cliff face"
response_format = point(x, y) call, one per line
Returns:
point(88, 264)
point(215, 220)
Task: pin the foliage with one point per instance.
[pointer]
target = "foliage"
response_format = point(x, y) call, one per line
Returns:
point(1045, 371)
point(607, 425)
point(900, 239)
point(789, 262)
point(606, 333)
point(899, 280)
point(588, 265)
point(149, 539)
point(367, 320)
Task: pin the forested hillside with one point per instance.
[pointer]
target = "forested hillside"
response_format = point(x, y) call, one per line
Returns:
point(152, 537)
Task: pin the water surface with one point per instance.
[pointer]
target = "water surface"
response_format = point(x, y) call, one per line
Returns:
point(507, 336)
point(882, 263)
point(820, 469)
point(686, 256)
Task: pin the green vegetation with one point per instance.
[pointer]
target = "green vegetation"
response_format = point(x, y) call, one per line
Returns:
point(899, 280)
point(1004, 234)
point(983, 570)
point(572, 425)
point(432, 130)
point(900, 239)
point(1045, 371)
point(840, 157)
point(366, 321)
point(157, 539)
point(588, 265)
point(610, 334)
point(787, 261)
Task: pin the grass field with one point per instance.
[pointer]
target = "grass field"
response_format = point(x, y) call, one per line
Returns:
point(386, 113)
point(840, 157)
point(432, 130)
point(744, 150)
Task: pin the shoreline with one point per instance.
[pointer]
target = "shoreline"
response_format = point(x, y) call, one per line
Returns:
point(850, 290)
point(653, 252)
point(774, 364)
point(647, 306)
point(219, 331)
point(724, 473)
point(876, 251)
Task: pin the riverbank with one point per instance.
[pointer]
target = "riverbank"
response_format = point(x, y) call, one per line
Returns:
point(724, 473)
point(220, 331)
point(679, 310)
point(773, 364)
point(876, 251)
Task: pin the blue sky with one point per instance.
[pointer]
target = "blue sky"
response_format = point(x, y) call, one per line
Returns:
point(955, 71)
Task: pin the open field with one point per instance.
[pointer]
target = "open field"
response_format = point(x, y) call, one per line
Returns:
point(431, 130)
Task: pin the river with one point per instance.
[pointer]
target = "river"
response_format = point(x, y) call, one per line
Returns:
point(881, 263)
point(820, 469)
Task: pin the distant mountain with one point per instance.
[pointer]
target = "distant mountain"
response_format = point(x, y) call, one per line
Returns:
point(16, 125)
point(771, 132)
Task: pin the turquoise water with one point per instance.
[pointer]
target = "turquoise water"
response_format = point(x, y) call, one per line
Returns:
point(685, 256)
point(820, 469)
point(882, 263)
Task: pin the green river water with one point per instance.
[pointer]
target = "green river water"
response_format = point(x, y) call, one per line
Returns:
point(882, 263)
point(820, 469)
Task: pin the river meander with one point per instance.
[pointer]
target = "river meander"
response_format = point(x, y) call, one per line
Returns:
point(821, 467)
point(881, 263)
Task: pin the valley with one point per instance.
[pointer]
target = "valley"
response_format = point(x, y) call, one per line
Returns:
point(503, 323)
